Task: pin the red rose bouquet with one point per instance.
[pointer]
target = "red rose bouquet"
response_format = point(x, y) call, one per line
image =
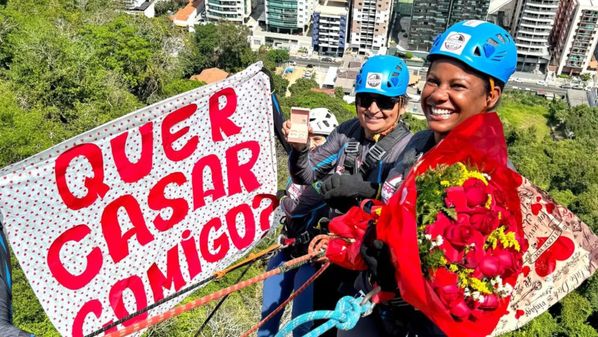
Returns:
point(468, 245)
point(454, 230)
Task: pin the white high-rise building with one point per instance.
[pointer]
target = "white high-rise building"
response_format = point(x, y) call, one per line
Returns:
point(575, 36)
point(533, 22)
point(370, 25)
point(289, 16)
point(237, 11)
point(329, 27)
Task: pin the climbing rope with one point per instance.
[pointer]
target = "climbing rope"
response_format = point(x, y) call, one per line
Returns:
point(217, 275)
point(345, 315)
point(288, 300)
point(207, 320)
point(292, 264)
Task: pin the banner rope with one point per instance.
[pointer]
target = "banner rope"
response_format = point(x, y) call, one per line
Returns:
point(288, 300)
point(291, 264)
point(217, 275)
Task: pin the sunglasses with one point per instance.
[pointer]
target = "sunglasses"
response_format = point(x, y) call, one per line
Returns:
point(383, 102)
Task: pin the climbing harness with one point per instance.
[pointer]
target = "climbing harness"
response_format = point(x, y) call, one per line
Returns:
point(345, 315)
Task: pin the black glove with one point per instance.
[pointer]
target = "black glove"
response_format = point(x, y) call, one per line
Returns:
point(347, 186)
point(377, 256)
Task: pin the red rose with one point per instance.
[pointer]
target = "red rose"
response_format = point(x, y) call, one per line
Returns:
point(455, 197)
point(475, 192)
point(459, 235)
point(485, 221)
point(460, 310)
point(474, 256)
point(445, 285)
point(439, 226)
point(509, 260)
point(490, 302)
point(490, 266)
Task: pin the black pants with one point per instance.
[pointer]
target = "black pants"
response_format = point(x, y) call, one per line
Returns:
point(333, 284)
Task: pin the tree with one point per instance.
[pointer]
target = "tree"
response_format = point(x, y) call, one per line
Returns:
point(278, 56)
point(279, 85)
point(303, 85)
point(224, 46)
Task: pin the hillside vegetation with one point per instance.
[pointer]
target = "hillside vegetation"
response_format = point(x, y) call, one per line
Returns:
point(67, 66)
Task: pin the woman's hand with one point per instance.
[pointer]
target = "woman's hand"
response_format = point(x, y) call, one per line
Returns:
point(286, 129)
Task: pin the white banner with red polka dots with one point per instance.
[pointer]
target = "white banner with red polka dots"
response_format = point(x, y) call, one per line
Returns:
point(122, 216)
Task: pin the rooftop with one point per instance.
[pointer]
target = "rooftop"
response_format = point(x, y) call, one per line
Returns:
point(210, 75)
point(332, 7)
point(184, 13)
point(592, 4)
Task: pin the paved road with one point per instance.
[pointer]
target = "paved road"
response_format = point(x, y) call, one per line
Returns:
point(537, 87)
point(314, 61)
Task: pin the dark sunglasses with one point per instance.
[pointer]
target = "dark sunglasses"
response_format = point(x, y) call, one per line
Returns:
point(383, 102)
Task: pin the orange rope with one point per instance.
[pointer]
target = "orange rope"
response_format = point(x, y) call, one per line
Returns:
point(208, 298)
point(292, 297)
point(251, 257)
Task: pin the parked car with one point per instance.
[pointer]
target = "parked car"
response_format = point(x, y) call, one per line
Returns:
point(327, 59)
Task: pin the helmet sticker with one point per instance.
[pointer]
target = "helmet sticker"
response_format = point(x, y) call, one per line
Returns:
point(473, 23)
point(455, 42)
point(373, 80)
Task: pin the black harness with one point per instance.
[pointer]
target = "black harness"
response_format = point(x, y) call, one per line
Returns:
point(375, 154)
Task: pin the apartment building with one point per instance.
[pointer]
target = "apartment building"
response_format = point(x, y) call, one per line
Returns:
point(236, 11)
point(431, 17)
point(330, 24)
point(370, 25)
point(574, 36)
point(533, 22)
point(288, 16)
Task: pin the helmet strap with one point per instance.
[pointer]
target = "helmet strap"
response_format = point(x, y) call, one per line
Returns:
point(491, 80)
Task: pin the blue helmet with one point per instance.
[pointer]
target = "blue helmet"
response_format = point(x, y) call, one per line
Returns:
point(481, 45)
point(384, 75)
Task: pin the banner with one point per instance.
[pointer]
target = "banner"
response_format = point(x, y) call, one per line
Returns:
point(124, 215)
point(562, 253)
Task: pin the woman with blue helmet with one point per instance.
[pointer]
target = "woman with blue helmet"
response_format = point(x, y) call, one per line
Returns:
point(469, 65)
point(380, 88)
point(357, 155)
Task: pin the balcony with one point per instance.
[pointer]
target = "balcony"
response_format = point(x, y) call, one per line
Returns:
point(224, 4)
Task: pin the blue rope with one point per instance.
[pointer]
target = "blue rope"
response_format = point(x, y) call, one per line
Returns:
point(345, 315)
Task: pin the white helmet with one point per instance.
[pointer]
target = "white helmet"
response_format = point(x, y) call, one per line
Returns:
point(322, 121)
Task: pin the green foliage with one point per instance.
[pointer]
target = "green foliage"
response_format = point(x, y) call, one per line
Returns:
point(585, 76)
point(413, 123)
point(67, 66)
point(408, 55)
point(180, 86)
point(280, 85)
point(543, 326)
point(525, 110)
point(339, 92)
point(169, 6)
point(303, 86)
point(224, 46)
point(308, 99)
